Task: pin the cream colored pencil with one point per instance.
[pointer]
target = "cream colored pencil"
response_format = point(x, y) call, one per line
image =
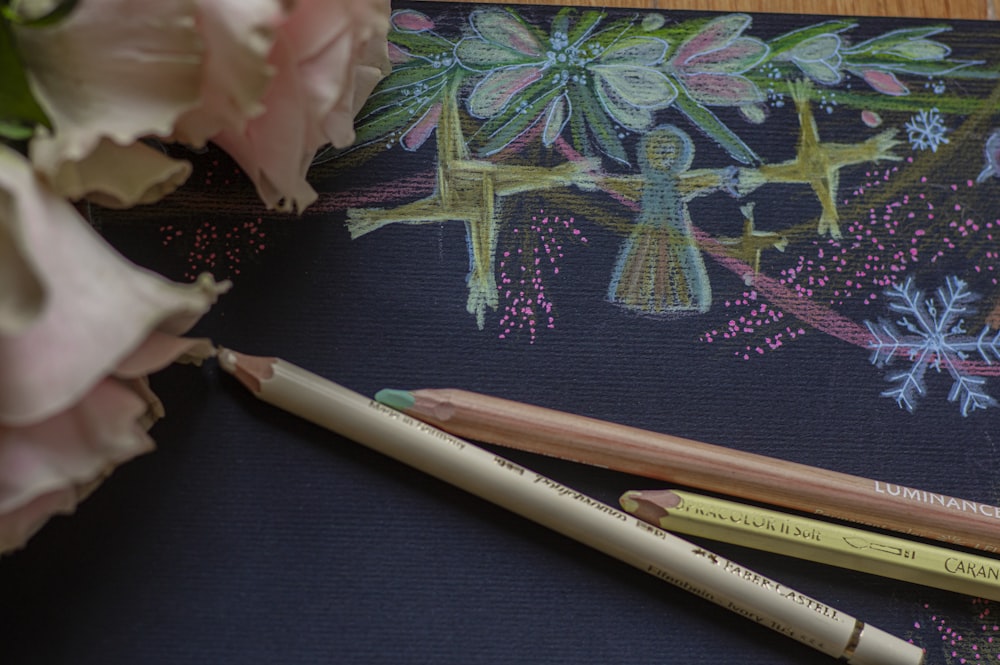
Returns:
point(566, 511)
point(816, 540)
point(704, 466)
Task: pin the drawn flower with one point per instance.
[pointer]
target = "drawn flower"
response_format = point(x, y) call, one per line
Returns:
point(80, 328)
point(406, 107)
point(711, 63)
point(603, 79)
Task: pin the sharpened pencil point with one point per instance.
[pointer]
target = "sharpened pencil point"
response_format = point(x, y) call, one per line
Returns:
point(401, 400)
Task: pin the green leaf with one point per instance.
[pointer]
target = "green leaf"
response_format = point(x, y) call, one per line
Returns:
point(921, 49)
point(15, 132)
point(588, 21)
point(891, 39)
point(480, 55)
point(647, 51)
point(62, 9)
point(18, 106)
point(641, 87)
point(382, 116)
point(715, 129)
point(421, 43)
point(820, 47)
point(409, 75)
point(500, 131)
point(896, 64)
point(505, 27)
point(790, 40)
point(598, 124)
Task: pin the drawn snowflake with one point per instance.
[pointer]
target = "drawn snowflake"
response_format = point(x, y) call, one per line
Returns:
point(926, 131)
point(931, 333)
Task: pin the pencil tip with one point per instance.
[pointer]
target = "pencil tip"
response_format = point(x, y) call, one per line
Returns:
point(401, 400)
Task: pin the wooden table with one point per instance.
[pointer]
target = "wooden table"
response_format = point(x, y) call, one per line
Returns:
point(954, 9)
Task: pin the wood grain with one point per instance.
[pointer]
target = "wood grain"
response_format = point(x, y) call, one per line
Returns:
point(954, 9)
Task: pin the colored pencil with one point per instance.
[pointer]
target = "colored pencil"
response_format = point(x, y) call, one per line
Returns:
point(566, 511)
point(704, 466)
point(816, 540)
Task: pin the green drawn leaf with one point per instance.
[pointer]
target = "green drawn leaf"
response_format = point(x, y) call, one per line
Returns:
point(492, 94)
point(503, 129)
point(891, 39)
point(708, 123)
point(382, 117)
point(921, 49)
point(504, 27)
point(407, 75)
point(641, 87)
point(645, 51)
point(588, 21)
point(421, 43)
point(923, 68)
point(556, 117)
point(790, 40)
point(820, 71)
point(594, 120)
point(819, 47)
point(479, 55)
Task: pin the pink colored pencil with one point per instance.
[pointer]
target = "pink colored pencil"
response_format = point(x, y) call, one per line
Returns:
point(705, 466)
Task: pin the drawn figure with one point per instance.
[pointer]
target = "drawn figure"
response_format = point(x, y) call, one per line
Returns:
point(469, 191)
point(660, 269)
point(818, 164)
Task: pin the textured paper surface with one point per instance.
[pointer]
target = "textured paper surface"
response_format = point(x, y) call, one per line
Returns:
point(689, 281)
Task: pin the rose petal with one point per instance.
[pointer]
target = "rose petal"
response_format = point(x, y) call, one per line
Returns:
point(44, 467)
point(112, 175)
point(238, 35)
point(116, 69)
point(325, 58)
point(21, 291)
point(159, 350)
point(99, 306)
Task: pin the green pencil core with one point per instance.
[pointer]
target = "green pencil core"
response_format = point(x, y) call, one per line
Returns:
point(401, 400)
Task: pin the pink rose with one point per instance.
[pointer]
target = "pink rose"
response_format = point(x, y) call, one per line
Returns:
point(271, 81)
point(80, 328)
point(327, 58)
